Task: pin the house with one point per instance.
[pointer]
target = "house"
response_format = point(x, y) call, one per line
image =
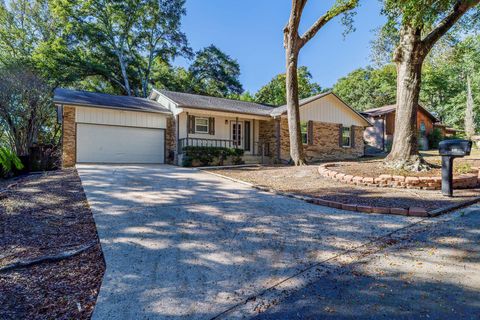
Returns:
point(105, 128)
point(380, 135)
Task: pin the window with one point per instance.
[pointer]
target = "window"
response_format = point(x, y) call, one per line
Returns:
point(423, 128)
point(346, 137)
point(201, 125)
point(304, 131)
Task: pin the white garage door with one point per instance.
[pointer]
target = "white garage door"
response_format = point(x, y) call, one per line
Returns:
point(117, 144)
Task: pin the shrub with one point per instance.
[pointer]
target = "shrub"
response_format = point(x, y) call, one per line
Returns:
point(434, 138)
point(207, 155)
point(9, 161)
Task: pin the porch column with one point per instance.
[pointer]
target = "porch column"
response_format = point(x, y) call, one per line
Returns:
point(236, 132)
point(277, 138)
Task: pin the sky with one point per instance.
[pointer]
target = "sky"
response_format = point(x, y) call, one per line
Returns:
point(250, 31)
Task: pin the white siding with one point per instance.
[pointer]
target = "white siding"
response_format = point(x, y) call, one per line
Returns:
point(120, 118)
point(330, 109)
point(222, 127)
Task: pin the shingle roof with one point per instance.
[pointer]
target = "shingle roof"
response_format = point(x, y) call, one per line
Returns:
point(195, 101)
point(391, 108)
point(283, 109)
point(102, 100)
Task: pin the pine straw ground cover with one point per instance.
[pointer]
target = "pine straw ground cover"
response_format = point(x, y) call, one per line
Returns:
point(307, 181)
point(46, 215)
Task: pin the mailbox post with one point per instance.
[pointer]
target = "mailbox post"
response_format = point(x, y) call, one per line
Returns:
point(449, 150)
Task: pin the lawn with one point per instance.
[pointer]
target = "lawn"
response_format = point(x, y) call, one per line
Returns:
point(44, 215)
point(307, 181)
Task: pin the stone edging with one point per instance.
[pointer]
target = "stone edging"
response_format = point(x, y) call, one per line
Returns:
point(463, 181)
point(412, 211)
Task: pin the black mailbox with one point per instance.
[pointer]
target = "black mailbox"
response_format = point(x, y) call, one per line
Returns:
point(449, 150)
point(455, 148)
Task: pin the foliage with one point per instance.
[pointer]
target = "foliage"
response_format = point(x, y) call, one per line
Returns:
point(27, 114)
point(9, 161)
point(207, 155)
point(215, 73)
point(368, 88)
point(434, 138)
point(274, 92)
point(120, 40)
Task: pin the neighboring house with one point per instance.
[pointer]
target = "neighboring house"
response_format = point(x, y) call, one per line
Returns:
point(118, 129)
point(380, 135)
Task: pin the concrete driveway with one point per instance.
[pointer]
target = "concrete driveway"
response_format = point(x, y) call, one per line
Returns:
point(182, 243)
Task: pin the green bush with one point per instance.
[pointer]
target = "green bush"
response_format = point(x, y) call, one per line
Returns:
point(207, 155)
point(9, 161)
point(434, 138)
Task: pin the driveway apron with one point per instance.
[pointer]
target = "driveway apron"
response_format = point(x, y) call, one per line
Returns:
point(180, 243)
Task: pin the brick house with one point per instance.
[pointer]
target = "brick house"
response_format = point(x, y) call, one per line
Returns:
point(104, 128)
point(380, 134)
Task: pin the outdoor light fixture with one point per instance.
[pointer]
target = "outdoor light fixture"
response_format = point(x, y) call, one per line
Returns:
point(226, 122)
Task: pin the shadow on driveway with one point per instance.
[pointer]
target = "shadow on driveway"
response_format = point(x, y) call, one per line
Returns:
point(181, 243)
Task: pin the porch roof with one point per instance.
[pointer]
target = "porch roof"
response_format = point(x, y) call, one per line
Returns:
point(196, 101)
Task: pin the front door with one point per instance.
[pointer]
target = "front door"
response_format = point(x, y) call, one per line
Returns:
point(236, 132)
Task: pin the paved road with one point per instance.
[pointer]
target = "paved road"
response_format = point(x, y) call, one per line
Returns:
point(183, 244)
point(434, 274)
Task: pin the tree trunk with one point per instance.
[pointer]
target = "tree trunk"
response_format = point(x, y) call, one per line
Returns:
point(124, 72)
point(469, 117)
point(409, 58)
point(293, 109)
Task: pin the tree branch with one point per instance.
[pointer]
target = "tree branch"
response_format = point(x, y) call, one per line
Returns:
point(459, 9)
point(329, 15)
point(47, 258)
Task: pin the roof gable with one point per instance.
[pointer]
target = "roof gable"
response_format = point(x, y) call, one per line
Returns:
point(303, 102)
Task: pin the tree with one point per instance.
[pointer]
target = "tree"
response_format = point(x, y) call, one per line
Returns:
point(367, 88)
point(215, 73)
point(274, 92)
point(26, 109)
point(469, 115)
point(419, 26)
point(293, 43)
point(124, 37)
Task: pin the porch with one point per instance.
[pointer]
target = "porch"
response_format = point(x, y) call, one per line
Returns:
point(260, 153)
point(197, 128)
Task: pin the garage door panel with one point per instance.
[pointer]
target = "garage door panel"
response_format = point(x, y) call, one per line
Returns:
point(117, 144)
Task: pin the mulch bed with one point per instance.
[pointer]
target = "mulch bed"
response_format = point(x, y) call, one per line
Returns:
point(376, 168)
point(307, 181)
point(45, 215)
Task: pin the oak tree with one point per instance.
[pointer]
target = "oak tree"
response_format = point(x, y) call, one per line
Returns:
point(419, 25)
point(293, 43)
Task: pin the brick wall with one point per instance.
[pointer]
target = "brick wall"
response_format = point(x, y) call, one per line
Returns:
point(266, 133)
point(170, 139)
point(325, 142)
point(69, 137)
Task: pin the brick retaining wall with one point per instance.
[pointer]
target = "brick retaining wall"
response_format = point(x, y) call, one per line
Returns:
point(463, 181)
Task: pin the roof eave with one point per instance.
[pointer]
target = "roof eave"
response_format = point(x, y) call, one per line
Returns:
point(90, 105)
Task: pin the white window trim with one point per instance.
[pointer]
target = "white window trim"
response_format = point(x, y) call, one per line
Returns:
point(208, 125)
point(301, 133)
point(349, 139)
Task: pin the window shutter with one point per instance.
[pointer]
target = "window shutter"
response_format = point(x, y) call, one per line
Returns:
point(191, 124)
point(340, 138)
point(310, 133)
point(211, 126)
point(352, 136)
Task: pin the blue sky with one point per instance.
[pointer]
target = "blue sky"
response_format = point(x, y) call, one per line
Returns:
point(251, 32)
